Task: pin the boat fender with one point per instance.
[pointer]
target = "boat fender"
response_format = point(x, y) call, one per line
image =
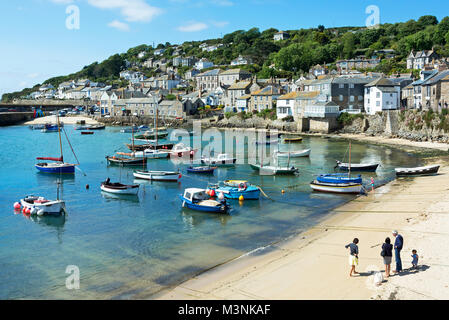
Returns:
point(40, 212)
point(17, 206)
point(212, 193)
point(180, 176)
point(183, 204)
point(221, 196)
point(87, 187)
point(28, 211)
point(34, 211)
point(241, 198)
point(24, 210)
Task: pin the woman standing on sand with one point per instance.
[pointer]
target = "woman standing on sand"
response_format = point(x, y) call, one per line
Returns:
point(353, 255)
point(387, 254)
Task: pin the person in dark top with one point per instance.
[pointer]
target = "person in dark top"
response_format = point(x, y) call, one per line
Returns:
point(387, 254)
point(353, 255)
point(398, 245)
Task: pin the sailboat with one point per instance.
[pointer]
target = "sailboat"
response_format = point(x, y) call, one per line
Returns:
point(276, 169)
point(338, 182)
point(124, 159)
point(58, 166)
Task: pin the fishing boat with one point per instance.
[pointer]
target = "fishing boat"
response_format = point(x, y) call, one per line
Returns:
point(37, 127)
point(220, 160)
point(338, 182)
point(199, 200)
point(142, 128)
point(87, 133)
point(50, 129)
point(143, 147)
point(293, 154)
point(292, 139)
point(81, 128)
point(417, 171)
point(118, 188)
point(58, 166)
point(41, 206)
point(202, 169)
point(249, 192)
point(158, 175)
point(275, 170)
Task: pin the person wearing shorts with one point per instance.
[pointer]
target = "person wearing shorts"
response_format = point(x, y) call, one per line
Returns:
point(353, 255)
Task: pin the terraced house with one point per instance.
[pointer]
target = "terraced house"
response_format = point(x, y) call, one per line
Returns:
point(265, 98)
point(208, 80)
point(231, 76)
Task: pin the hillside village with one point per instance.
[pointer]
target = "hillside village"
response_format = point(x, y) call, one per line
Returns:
point(193, 81)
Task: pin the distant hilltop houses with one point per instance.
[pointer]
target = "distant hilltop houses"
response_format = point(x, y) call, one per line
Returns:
point(324, 92)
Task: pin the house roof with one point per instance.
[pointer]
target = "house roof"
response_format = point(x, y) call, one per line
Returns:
point(234, 71)
point(438, 77)
point(214, 72)
point(381, 82)
point(245, 97)
point(240, 85)
point(267, 91)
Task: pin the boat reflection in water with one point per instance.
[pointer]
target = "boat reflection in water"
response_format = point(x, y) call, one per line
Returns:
point(53, 223)
point(120, 197)
point(192, 219)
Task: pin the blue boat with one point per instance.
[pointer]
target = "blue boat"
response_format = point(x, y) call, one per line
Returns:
point(203, 169)
point(199, 200)
point(248, 192)
point(338, 178)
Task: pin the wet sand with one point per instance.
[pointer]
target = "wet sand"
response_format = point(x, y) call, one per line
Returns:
point(65, 120)
point(314, 264)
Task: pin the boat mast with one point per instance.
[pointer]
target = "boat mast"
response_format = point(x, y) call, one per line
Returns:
point(60, 139)
point(288, 164)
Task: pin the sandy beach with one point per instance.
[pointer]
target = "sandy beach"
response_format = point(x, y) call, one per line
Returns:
point(65, 120)
point(314, 264)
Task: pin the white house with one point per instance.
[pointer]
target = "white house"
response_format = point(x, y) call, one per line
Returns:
point(203, 64)
point(281, 35)
point(240, 61)
point(381, 94)
point(107, 101)
point(243, 103)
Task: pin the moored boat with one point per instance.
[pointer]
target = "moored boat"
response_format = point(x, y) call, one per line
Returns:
point(274, 170)
point(97, 127)
point(125, 161)
point(337, 187)
point(118, 188)
point(172, 176)
point(152, 154)
point(202, 169)
point(41, 206)
point(220, 160)
point(292, 139)
point(417, 171)
point(245, 190)
point(199, 200)
point(366, 167)
point(293, 154)
point(87, 133)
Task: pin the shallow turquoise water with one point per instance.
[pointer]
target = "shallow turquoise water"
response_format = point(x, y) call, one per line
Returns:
point(132, 247)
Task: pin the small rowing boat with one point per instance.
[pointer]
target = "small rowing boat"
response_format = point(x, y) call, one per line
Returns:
point(245, 190)
point(221, 160)
point(118, 188)
point(87, 132)
point(418, 171)
point(274, 170)
point(292, 139)
point(158, 175)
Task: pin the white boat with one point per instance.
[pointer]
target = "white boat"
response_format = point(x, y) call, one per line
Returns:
point(118, 188)
point(152, 154)
point(41, 206)
point(337, 188)
point(158, 175)
point(274, 170)
point(293, 154)
point(220, 160)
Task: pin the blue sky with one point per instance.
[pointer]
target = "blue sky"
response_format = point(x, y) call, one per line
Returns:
point(37, 44)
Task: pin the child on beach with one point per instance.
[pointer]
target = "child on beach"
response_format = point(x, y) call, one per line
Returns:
point(353, 255)
point(415, 259)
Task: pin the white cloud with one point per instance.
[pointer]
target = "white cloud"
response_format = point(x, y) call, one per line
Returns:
point(132, 10)
point(193, 27)
point(119, 25)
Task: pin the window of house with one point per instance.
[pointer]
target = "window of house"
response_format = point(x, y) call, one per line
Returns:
point(352, 98)
point(377, 94)
point(341, 97)
point(351, 86)
point(360, 98)
point(341, 86)
point(378, 103)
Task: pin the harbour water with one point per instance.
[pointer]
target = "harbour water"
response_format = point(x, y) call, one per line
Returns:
point(132, 247)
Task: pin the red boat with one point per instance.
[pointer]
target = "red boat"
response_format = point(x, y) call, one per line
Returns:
point(87, 132)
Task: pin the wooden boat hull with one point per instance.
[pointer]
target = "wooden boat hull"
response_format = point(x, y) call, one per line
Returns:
point(351, 188)
point(63, 168)
point(293, 140)
point(295, 154)
point(87, 133)
point(152, 136)
point(128, 190)
point(358, 167)
point(419, 171)
point(151, 155)
point(158, 175)
point(338, 178)
point(126, 162)
point(143, 147)
point(99, 127)
point(221, 208)
point(49, 208)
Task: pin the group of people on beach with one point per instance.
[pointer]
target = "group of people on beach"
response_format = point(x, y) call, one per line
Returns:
point(386, 253)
